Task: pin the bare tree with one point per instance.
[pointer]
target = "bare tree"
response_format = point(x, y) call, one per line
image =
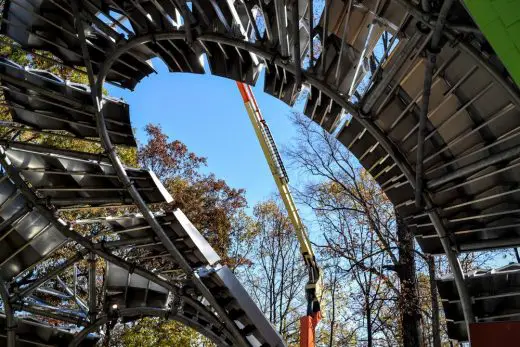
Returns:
point(274, 274)
point(359, 225)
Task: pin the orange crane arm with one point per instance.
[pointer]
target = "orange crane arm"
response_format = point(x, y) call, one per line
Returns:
point(265, 138)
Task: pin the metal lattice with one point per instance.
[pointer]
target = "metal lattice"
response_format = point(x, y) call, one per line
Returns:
point(433, 118)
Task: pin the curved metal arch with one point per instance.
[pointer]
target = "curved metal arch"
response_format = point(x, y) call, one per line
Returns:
point(374, 130)
point(132, 190)
point(68, 231)
point(150, 312)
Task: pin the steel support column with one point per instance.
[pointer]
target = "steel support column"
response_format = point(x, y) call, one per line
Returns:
point(9, 315)
point(432, 51)
point(456, 269)
point(92, 303)
point(296, 45)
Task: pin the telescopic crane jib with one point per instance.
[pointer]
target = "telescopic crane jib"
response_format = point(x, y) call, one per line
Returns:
point(309, 322)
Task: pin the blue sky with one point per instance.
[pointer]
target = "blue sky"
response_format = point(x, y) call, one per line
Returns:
point(207, 114)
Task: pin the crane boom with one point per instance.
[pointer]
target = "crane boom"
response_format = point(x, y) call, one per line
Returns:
point(281, 179)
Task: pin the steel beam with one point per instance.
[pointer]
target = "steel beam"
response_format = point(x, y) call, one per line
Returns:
point(423, 116)
point(9, 315)
point(373, 129)
point(72, 293)
point(281, 20)
point(374, 93)
point(147, 311)
point(99, 158)
point(47, 93)
point(466, 48)
point(311, 34)
point(478, 178)
point(125, 242)
point(493, 244)
point(67, 230)
point(50, 274)
point(96, 92)
point(16, 126)
point(324, 37)
point(55, 314)
point(503, 111)
point(511, 153)
point(92, 302)
point(343, 38)
point(456, 269)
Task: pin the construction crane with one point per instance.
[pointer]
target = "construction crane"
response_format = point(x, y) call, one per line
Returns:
point(312, 289)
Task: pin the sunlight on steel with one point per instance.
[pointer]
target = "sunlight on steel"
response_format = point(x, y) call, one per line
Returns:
point(84, 179)
point(494, 294)
point(470, 192)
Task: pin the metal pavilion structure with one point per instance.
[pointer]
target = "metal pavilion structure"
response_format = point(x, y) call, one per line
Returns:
point(433, 116)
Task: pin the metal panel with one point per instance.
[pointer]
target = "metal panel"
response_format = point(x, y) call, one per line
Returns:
point(194, 240)
point(27, 237)
point(126, 290)
point(56, 34)
point(67, 110)
point(31, 333)
point(281, 84)
point(334, 55)
point(230, 62)
point(248, 316)
point(197, 251)
point(495, 293)
point(69, 178)
point(322, 109)
point(470, 118)
point(159, 16)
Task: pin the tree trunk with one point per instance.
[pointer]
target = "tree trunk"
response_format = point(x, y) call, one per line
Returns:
point(368, 315)
point(408, 298)
point(333, 315)
point(436, 330)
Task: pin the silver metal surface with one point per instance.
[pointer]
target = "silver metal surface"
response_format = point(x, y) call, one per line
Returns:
point(494, 298)
point(472, 118)
point(71, 178)
point(224, 279)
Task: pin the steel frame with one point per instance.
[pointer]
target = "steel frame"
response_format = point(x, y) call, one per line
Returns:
point(375, 131)
point(171, 314)
point(293, 67)
point(96, 91)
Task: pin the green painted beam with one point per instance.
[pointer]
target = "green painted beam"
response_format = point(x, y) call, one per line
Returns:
point(499, 21)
